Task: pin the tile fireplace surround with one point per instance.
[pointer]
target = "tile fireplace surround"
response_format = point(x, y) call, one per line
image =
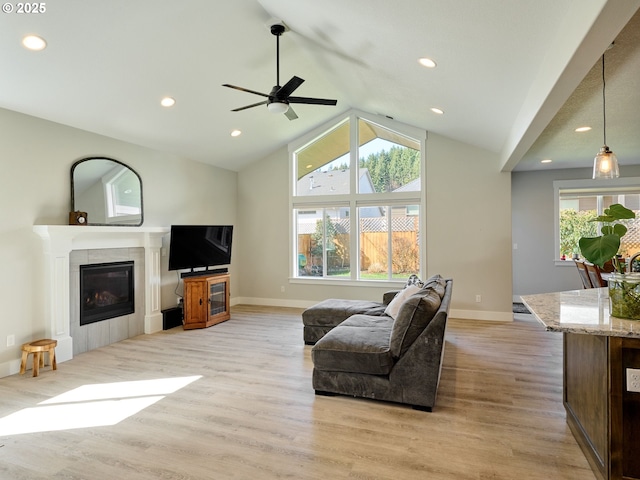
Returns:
point(59, 241)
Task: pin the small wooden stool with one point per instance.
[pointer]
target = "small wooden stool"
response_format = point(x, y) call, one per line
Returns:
point(38, 348)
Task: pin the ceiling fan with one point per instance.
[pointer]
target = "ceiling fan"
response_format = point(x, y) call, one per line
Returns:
point(279, 98)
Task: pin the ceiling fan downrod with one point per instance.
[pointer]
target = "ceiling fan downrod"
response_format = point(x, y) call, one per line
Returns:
point(277, 30)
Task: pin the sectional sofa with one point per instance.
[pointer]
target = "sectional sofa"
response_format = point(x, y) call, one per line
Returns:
point(389, 351)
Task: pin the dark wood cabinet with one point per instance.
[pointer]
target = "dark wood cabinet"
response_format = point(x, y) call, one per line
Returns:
point(602, 414)
point(206, 300)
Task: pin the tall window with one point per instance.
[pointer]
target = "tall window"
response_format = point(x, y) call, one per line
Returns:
point(580, 201)
point(357, 199)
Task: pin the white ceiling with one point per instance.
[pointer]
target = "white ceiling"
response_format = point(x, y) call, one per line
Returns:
point(505, 67)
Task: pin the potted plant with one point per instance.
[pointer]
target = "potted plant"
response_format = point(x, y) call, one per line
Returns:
point(624, 288)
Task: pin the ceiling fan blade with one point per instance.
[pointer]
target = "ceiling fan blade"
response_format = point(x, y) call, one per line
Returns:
point(250, 106)
point(290, 114)
point(289, 87)
point(312, 101)
point(245, 90)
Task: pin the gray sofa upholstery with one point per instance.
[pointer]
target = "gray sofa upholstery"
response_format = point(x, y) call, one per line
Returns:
point(377, 357)
point(328, 314)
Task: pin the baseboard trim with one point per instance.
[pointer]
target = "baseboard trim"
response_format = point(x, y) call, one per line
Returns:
point(11, 368)
point(484, 316)
point(453, 313)
point(273, 302)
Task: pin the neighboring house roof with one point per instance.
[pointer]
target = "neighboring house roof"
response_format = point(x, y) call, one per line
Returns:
point(332, 182)
point(412, 186)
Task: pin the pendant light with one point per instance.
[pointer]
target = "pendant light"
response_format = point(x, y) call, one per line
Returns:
point(605, 165)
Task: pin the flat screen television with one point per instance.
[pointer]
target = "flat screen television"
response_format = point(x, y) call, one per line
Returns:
point(196, 246)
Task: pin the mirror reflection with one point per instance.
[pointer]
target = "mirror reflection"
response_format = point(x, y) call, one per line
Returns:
point(108, 190)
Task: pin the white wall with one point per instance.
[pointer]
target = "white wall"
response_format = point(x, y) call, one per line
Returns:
point(36, 158)
point(534, 269)
point(469, 227)
point(468, 237)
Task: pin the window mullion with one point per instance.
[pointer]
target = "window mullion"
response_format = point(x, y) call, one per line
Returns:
point(354, 240)
point(324, 242)
point(353, 155)
point(389, 243)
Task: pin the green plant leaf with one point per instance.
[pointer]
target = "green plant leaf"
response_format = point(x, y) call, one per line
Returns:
point(618, 212)
point(599, 250)
point(604, 218)
point(619, 229)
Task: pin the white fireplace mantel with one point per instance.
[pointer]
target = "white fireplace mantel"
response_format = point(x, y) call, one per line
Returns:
point(59, 240)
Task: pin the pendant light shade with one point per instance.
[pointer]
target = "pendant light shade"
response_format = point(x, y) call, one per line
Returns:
point(605, 164)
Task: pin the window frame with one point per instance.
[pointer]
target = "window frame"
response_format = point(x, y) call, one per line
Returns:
point(354, 199)
point(600, 187)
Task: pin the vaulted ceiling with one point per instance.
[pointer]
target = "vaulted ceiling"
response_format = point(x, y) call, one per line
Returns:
point(504, 70)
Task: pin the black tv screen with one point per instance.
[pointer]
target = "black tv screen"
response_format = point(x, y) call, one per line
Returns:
point(194, 246)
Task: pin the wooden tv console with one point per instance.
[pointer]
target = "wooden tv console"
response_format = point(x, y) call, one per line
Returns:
point(206, 300)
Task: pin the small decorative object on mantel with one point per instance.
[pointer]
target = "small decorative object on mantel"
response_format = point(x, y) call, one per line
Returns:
point(77, 218)
point(624, 286)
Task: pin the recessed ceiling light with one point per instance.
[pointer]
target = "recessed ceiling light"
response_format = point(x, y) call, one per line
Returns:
point(236, 133)
point(583, 129)
point(546, 160)
point(427, 62)
point(309, 166)
point(168, 102)
point(437, 110)
point(34, 42)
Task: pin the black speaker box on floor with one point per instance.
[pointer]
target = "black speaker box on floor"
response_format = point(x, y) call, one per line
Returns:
point(171, 317)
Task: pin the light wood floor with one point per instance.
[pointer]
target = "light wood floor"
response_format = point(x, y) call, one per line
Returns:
point(252, 413)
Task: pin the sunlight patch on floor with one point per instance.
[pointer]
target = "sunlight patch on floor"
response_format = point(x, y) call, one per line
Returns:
point(95, 405)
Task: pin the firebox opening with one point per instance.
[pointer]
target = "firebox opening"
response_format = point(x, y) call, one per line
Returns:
point(106, 291)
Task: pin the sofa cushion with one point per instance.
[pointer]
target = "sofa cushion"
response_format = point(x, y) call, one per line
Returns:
point(368, 321)
point(360, 344)
point(334, 311)
point(415, 314)
point(437, 284)
point(394, 306)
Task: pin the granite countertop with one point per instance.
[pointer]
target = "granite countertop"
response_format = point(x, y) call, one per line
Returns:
point(580, 311)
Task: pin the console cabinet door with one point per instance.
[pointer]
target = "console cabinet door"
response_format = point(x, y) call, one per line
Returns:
point(195, 303)
point(218, 308)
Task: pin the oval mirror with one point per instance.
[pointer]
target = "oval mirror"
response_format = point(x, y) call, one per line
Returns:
point(109, 192)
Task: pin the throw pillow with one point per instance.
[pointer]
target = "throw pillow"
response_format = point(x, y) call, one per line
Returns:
point(415, 280)
point(414, 316)
point(394, 306)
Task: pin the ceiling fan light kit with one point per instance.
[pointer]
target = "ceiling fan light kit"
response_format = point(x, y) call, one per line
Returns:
point(605, 164)
point(279, 99)
point(278, 107)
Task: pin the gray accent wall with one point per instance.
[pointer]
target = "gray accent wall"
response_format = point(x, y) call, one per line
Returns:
point(532, 210)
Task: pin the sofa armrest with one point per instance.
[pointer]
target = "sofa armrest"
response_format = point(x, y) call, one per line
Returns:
point(388, 296)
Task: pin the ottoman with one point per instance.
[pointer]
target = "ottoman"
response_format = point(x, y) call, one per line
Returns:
point(324, 316)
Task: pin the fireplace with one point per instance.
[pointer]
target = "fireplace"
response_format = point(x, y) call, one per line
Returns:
point(106, 291)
